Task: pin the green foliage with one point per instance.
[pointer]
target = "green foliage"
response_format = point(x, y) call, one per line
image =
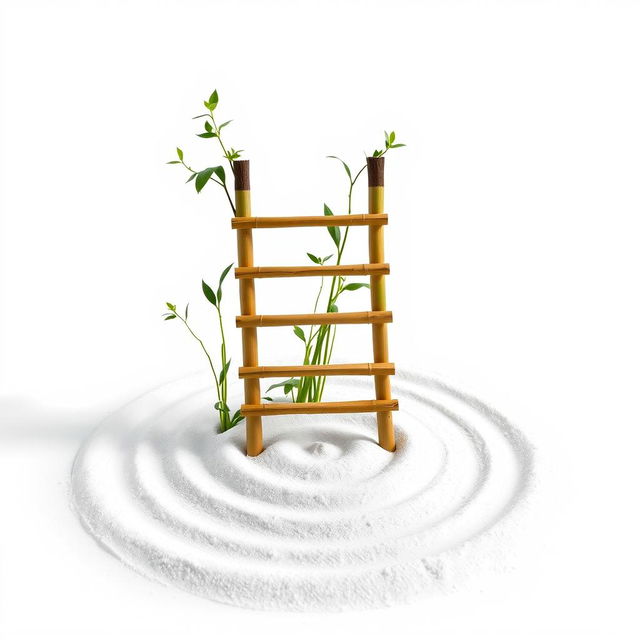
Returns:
point(202, 178)
point(208, 294)
point(220, 379)
point(222, 277)
point(353, 286)
point(211, 130)
point(319, 342)
point(334, 232)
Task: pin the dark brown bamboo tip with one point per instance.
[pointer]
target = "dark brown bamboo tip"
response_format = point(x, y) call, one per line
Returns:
point(375, 170)
point(241, 175)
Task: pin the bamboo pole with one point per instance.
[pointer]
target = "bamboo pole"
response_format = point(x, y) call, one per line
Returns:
point(305, 370)
point(375, 172)
point(293, 319)
point(293, 408)
point(248, 305)
point(280, 222)
point(313, 270)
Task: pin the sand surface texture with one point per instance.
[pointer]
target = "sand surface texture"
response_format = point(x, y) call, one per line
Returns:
point(324, 519)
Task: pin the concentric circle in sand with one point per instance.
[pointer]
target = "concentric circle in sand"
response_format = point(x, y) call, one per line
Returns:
point(324, 519)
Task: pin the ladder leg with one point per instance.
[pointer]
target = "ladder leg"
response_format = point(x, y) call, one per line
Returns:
point(375, 170)
point(248, 306)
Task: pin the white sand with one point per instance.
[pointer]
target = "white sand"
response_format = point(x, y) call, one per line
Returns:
point(324, 519)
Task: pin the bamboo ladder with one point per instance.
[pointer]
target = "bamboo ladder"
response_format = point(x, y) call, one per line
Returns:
point(378, 317)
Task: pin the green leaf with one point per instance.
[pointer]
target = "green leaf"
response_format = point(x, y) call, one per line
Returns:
point(333, 308)
point(232, 154)
point(222, 277)
point(225, 272)
point(237, 417)
point(170, 306)
point(291, 381)
point(224, 124)
point(186, 311)
point(392, 137)
point(203, 178)
point(386, 140)
point(219, 171)
point(221, 406)
point(208, 294)
point(207, 126)
point(313, 258)
point(334, 232)
point(267, 398)
point(179, 152)
point(344, 164)
point(223, 373)
point(174, 162)
point(395, 146)
point(353, 286)
point(326, 258)
point(207, 135)
point(300, 333)
point(170, 317)
point(191, 177)
point(213, 99)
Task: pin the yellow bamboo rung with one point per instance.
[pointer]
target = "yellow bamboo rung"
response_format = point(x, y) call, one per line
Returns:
point(290, 320)
point(280, 222)
point(292, 408)
point(359, 369)
point(380, 269)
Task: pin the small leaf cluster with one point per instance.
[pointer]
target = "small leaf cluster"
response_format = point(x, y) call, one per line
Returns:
point(389, 143)
point(172, 311)
point(212, 103)
point(211, 130)
point(318, 260)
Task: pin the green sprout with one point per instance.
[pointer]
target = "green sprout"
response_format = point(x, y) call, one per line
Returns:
point(227, 420)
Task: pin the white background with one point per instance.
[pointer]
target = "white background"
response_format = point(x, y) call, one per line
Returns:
point(513, 243)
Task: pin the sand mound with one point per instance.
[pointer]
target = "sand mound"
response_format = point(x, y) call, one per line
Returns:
point(324, 518)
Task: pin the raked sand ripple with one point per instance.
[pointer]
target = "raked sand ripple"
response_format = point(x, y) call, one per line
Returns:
point(324, 519)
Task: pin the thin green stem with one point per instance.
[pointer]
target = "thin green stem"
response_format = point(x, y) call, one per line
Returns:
point(223, 353)
point(213, 370)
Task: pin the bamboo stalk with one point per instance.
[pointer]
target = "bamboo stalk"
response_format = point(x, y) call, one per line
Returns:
point(312, 270)
point(280, 222)
point(359, 369)
point(293, 408)
point(375, 172)
point(292, 319)
point(248, 305)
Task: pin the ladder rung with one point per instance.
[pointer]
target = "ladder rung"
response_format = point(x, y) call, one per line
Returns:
point(360, 369)
point(279, 222)
point(289, 320)
point(291, 408)
point(379, 269)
